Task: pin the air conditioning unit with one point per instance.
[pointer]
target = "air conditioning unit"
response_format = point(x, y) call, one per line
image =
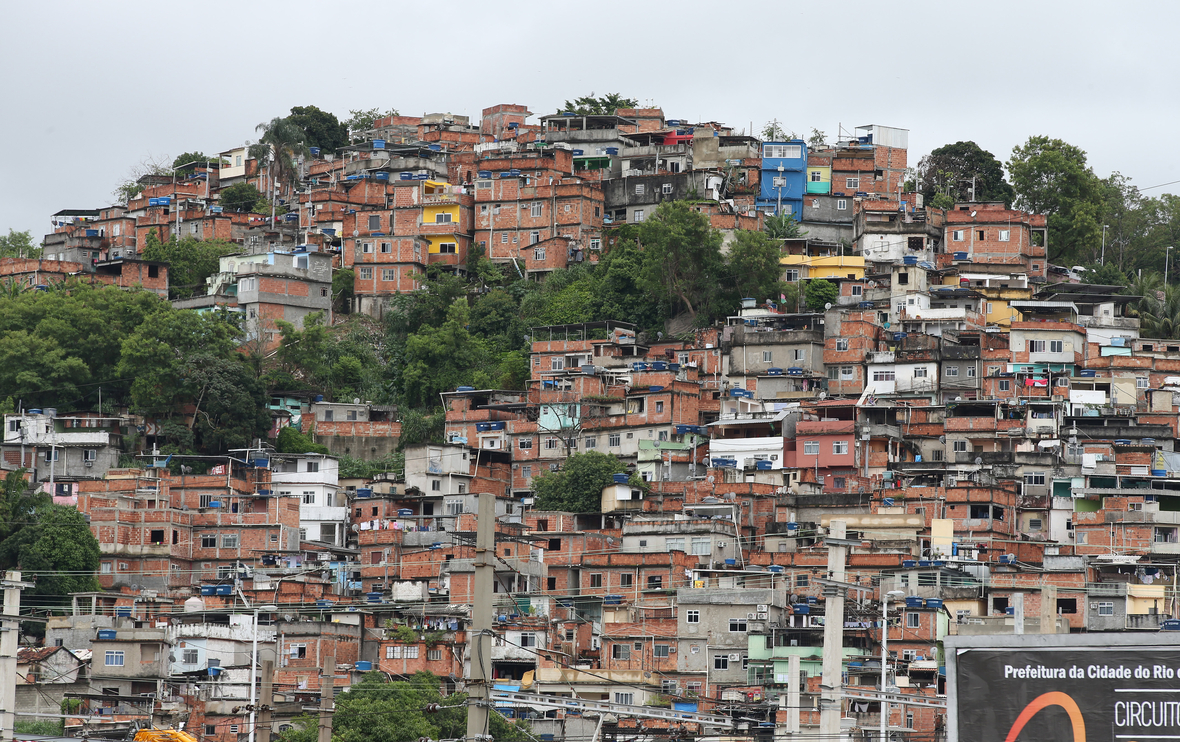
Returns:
point(88, 464)
point(722, 544)
point(763, 616)
point(734, 657)
point(1058, 398)
point(671, 649)
point(763, 608)
point(750, 616)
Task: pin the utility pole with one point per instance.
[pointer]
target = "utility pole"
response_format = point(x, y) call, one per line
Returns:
point(478, 690)
point(831, 700)
point(266, 701)
point(9, 633)
point(327, 700)
point(792, 695)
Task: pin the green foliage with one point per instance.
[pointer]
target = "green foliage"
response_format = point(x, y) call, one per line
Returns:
point(322, 129)
point(51, 543)
point(682, 257)
point(820, 292)
point(291, 440)
point(351, 468)
point(377, 710)
point(949, 169)
point(19, 245)
point(1105, 275)
point(604, 105)
point(817, 140)
point(783, 227)
point(242, 197)
point(773, 131)
point(341, 363)
point(1051, 177)
point(941, 201)
point(439, 359)
point(361, 121)
point(343, 280)
point(281, 142)
point(578, 486)
point(191, 159)
point(44, 727)
point(190, 261)
point(753, 266)
point(420, 427)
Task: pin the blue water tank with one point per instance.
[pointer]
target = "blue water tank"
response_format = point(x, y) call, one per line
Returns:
point(775, 568)
point(913, 601)
point(378, 144)
point(764, 465)
point(934, 602)
point(910, 260)
point(315, 151)
point(620, 478)
point(208, 590)
point(224, 590)
point(364, 665)
point(381, 176)
point(404, 513)
point(485, 174)
point(106, 634)
point(801, 609)
point(405, 176)
point(465, 389)
point(774, 372)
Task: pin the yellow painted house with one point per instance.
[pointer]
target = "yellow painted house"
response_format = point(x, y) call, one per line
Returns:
point(440, 208)
point(845, 267)
point(999, 290)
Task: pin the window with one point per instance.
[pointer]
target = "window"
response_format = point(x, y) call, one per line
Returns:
point(1056, 346)
point(393, 653)
point(626, 579)
point(1034, 477)
point(524, 444)
point(1036, 346)
point(105, 568)
point(366, 274)
point(846, 373)
point(674, 544)
point(388, 274)
point(958, 235)
point(436, 485)
point(815, 176)
point(666, 189)
point(792, 275)
point(782, 151)
point(1004, 235)
point(528, 639)
point(959, 446)
point(885, 375)
point(737, 624)
point(857, 290)
point(538, 253)
point(229, 540)
point(802, 580)
point(799, 354)
point(638, 215)
point(448, 248)
point(952, 371)
point(411, 653)
point(526, 472)
point(701, 545)
point(1004, 385)
point(913, 620)
point(309, 497)
point(386, 248)
point(595, 244)
point(970, 372)
point(720, 662)
point(620, 651)
point(53, 455)
point(810, 448)
point(366, 247)
point(841, 204)
point(504, 238)
point(190, 657)
point(660, 651)
point(659, 407)
point(614, 440)
point(655, 582)
point(534, 237)
point(313, 466)
point(157, 536)
point(591, 441)
point(114, 658)
point(841, 343)
point(233, 728)
point(692, 617)
point(89, 454)
point(626, 699)
point(920, 372)
point(210, 730)
point(596, 580)
point(550, 444)
point(852, 184)
point(1105, 608)
point(374, 222)
point(980, 234)
point(639, 188)
point(839, 448)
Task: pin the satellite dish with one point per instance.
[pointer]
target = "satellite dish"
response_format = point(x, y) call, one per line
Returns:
point(659, 336)
point(942, 439)
point(288, 617)
point(356, 400)
point(978, 460)
point(958, 399)
point(712, 479)
point(828, 305)
point(823, 395)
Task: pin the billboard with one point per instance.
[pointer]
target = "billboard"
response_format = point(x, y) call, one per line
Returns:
point(1070, 693)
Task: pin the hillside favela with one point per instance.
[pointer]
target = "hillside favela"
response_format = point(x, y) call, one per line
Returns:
point(601, 425)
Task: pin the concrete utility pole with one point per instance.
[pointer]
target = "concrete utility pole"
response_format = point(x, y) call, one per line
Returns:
point(478, 690)
point(266, 701)
point(831, 700)
point(9, 633)
point(792, 695)
point(327, 700)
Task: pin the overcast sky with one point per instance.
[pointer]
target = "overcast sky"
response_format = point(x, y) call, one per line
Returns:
point(91, 88)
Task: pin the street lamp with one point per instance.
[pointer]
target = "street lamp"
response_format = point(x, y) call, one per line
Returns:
point(1167, 254)
point(1103, 260)
point(254, 662)
point(884, 657)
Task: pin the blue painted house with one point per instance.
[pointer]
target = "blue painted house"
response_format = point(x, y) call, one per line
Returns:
point(789, 183)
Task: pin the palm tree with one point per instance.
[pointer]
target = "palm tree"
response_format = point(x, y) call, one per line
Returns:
point(281, 142)
point(1160, 317)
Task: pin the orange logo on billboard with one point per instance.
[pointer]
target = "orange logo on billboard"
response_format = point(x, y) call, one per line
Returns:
point(1055, 698)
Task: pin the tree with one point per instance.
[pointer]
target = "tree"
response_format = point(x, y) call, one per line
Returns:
point(817, 140)
point(577, 487)
point(379, 710)
point(291, 440)
point(820, 292)
point(1105, 275)
point(192, 159)
point(19, 245)
point(322, 129)
point(752, 267)
point(190, 261)
point(1051, 177)
point(60, 553)
point(242, 198)
point(774, 132)
point(281, 142)
point(359, 122)
point(605, 105)
point(130, 186)
point(949, 169)
point(682, 257)
point(439, 359)
point(343, 280)
point(783, 227)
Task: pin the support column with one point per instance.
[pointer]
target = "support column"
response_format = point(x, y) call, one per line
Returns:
point(9, 633)
point(478, 687)
point(327, 700)
point(831, 700)
point(266, 701)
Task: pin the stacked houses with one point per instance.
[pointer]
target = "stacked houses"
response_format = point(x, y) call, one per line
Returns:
point(996, 439)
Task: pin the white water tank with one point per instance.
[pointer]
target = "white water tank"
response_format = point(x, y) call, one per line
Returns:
point(194, 605)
